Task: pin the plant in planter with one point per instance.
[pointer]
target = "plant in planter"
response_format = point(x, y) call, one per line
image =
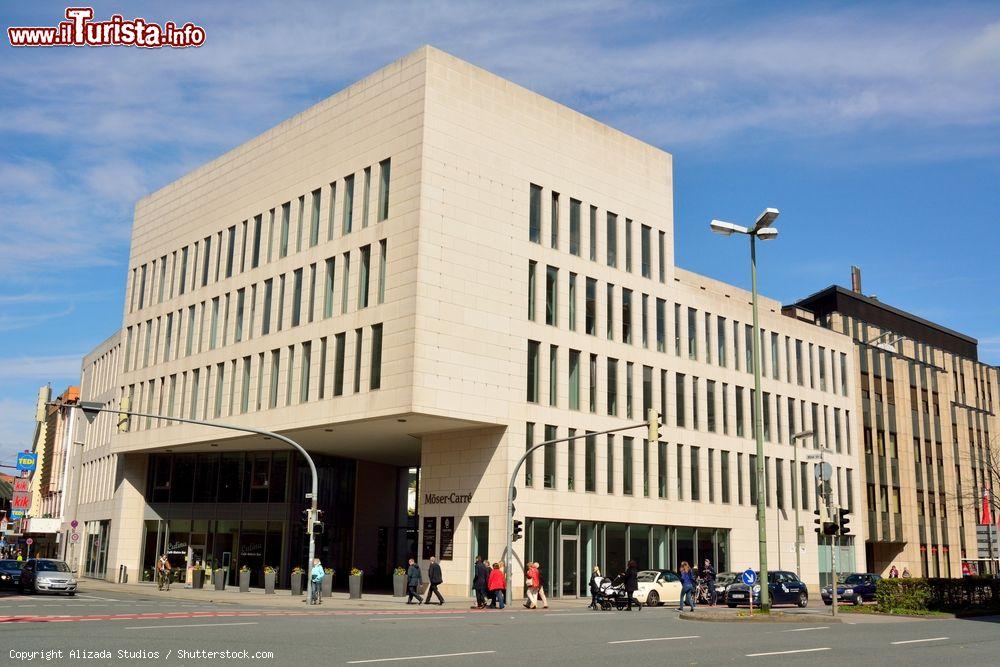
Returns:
point(296, 580)
point(328, 575)
point(270, 574)
point(197, 577)
point(147, 575)
point(244, 579)
point(399, 582)
point(354, 583)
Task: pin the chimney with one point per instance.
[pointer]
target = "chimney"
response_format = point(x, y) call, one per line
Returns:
point(856, 279)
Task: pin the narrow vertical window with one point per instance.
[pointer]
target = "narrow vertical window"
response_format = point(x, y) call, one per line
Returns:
point(661, 256)
point(339, 352)
point(358, 335)
point(554, 219)
point(612, 387)
point(532, 269)
point(677, 329)
point(533, 348)
point(230, 250)
point(529, 442)
point(679, 407)
point(364, 271)
point(206, 260)
point(645, 251)
point(627, 316)
point(708, 338)
point(611, 463)
point(383, 258)
point(645, 320)
point(296, 297)
point(710, 404)
point(189, 343)
point(695, 473)
point(590, 463)
point(328, 284)
point(288, 375)
point(375, 375)
point(661, 470)
point(366, 190)
point(549, 458)
point(299, 227)
point(574, 379)
point(593, 233)
point(304, 373)
point(317, 196)
point(286, 212)
point(281, 302)
point(721, 342)
point(629, 383)
point(220, 370)
point(724, 463)
point(628, 244)
point(535, 214)
point(572, 302)
point(322, 368)
point(240, 307)
point(245, 387)
point(330, 222)
point(163, 279)
point(348, 216)
point(311, 311)
point(571, 461)
point(592, 390)
point(345, 280)
point(142, 286)
point(692, 333)
point(383, 190)
point(612, 239)
point(590, 308)
point(255, 252)
point(214, 326)
point(661, 325)
point(551, 295)
point(610, 311)
point(628, 473)
point(574, 227)
point(553, 375)
point(184, 266)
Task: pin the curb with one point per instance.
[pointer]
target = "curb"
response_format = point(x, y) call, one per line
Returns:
point(773, 617)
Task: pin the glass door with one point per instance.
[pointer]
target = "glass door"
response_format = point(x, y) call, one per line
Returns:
point(569, 579)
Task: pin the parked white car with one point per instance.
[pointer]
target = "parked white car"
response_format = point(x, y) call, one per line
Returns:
point(658, 587)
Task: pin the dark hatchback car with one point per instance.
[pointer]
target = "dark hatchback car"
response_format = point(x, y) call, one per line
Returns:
point(10, 572)
point(785, 588)
point(856, 588)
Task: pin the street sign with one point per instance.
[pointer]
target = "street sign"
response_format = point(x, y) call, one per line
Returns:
point(26, 461)
point(74, 523)
point(29, 541)
point(749, 577)
point(75, 537)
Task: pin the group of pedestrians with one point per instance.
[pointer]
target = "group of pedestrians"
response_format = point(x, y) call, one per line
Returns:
point(894, 573)
point(490, 583)
point(414, 579)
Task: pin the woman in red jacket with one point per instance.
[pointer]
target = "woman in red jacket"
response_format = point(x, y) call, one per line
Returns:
point(532, 581)
point(497, 585)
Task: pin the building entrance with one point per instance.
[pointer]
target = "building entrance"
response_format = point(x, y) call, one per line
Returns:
point(569, 579)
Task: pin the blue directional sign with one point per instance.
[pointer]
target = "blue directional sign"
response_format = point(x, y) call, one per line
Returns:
point(749, 577)
point(26, 461)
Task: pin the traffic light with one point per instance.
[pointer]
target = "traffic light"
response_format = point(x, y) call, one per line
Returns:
point(653, 424)
point(314, 526)
point(843, 520)
point(123, 416)
point(819, 520)
point(518, 527)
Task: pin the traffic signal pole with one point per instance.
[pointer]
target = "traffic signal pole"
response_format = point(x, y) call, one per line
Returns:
point(652, 423)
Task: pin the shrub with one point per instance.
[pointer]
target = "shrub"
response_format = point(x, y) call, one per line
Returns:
point(902, 596)
point(918, 596)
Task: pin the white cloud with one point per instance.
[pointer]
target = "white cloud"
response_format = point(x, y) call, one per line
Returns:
point(17, 427)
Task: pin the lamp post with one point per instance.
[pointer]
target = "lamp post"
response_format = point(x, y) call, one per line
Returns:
point(761, 230)
point(797, 479)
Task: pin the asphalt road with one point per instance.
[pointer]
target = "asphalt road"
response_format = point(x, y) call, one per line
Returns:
point(139, 629)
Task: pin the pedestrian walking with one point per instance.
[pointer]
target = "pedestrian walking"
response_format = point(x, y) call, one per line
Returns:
point(316, 575)
point(541, 586)
point(708, 574)
point(687, 586)
point(595, 587)
point(893, 572)
point(479, 582)
point(631, 582)
point(434, 577)
point(531, 582)
point(163, 572)
point(413, 579)
point(497, 584)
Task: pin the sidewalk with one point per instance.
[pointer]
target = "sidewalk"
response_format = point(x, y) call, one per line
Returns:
point(282, 599)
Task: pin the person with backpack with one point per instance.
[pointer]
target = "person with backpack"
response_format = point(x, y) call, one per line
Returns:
point(687, 586)
point(497, 585)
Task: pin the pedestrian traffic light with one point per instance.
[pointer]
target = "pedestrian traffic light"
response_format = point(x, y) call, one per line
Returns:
point(843, 520)
point(123, 416)
point(653, 424)
point(518, 527)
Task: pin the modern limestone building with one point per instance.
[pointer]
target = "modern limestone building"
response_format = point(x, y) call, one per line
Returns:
point(928, 416)
point(429, 271)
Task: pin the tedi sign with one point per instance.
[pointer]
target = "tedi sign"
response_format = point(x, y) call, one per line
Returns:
point(451, 498)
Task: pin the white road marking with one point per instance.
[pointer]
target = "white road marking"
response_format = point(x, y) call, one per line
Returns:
point(821, 627)
point(423, 617)
point(419, 657)
point(583, 613)
point(94, 597)
point(802, 650)
point(915, 641)
point(654, 639)
point(190, 625)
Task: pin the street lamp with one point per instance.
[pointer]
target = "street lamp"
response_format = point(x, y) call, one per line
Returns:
point(761, 229)
point(798, 501)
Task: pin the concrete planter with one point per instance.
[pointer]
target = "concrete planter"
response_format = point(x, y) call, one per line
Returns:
point(296, 583)
point(197, 579)
point(327, 585)
point(244, 581)
point(219, 577)
point(269, 583)
point(399, 585)
point(354, 585)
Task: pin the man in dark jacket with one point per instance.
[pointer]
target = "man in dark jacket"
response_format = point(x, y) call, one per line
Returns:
point(631, 582)
point(708, 574)
point(479, 582)
point(434, 576)
point(413, 579)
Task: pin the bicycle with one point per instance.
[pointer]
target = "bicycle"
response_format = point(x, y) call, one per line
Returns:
point(162, 579)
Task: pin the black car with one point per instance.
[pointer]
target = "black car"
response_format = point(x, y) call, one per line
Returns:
point(785, 588)
point(856, 588)
point(10, 572)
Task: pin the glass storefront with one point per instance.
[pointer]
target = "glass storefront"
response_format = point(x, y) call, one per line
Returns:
point(96, 534)
point(568, 550)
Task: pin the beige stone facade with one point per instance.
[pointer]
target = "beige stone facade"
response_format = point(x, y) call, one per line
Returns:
point(432, 269)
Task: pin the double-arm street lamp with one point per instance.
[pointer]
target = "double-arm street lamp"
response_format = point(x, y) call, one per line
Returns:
point(761, 230)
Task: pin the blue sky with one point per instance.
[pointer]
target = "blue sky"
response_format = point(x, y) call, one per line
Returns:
point(874, 127)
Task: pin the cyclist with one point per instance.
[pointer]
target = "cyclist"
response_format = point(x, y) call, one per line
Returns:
point(163, 572)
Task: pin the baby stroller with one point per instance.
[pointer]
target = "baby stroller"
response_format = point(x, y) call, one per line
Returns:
point(618, 598)
point(606, 594)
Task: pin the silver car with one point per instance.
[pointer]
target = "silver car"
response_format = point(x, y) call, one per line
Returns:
point(46, 575)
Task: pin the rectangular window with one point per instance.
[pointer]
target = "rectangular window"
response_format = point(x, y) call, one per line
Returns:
point(645, 320)
point(822, 369)
point(255, 253)
point(328, 282)
point(189, 344)
point(288, 375)
point(571, 461)
point(679, 393)
point(798, 362)
point(549, 459)
point(626, 316)
point(629, 372)
point(311, 309)
point(695, 473)
point(214, 326)
point(367, 196)
point(572, 302)
point(593, 233)
point(383, 190)
point(612, 239)
point(611, 464)
point(322, 368)
point(345, 282)
point(206, 260)
point(230, 250)
point(240, 307)
point(281, 301)
point(554, 220)
point(724, 461)
point(766, 415)
point(383, 258)
point(364, 272)
point(304, 373)
point(358, 335)
point(535, 214)
point(317, 196)
point(695, 421)
point(627, 470)
point(661, 325)
point(333, 208)
point(184, 270)
point(574, 379)
point(533, 351)
point(774, 355)
point(532, 271)
point(843, 374)
point(590, 463)
point(661, 469)
point(740, 430)
point(375, 376)
point(272, 400)
point(680, 472)
point(590, 312)
point(710, 400)
point(296, 297)
point(612, 386)
point(286, 210)
point(551, 295)
point(628, 244)
point(195, 378)
point(677, 329)
point(692, 330)
point(739, 479)
point(662, 256)
point(610, 311)
point(753, 479)
point(644, 251)
point(553, 375)
point(348, 217)
point(779, 483)
point(574, 227)
point(298, 229)
point(593, 383)
point(339, 352)
point(748, 348)
point(647, 390)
